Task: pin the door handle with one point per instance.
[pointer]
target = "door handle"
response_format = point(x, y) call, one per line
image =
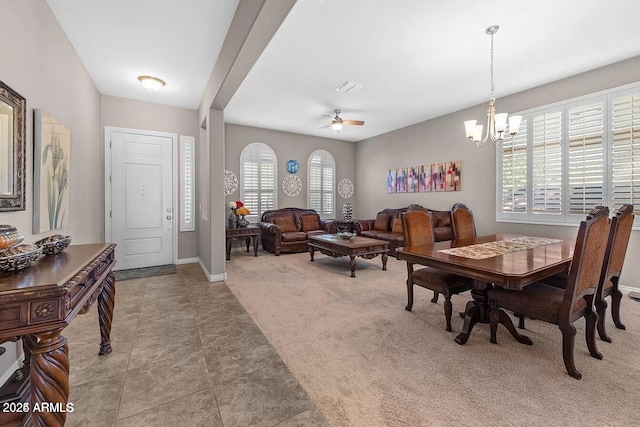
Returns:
point(168, 216)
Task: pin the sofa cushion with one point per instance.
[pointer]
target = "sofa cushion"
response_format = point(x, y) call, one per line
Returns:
point(382, 222)
point(370, 233)
point(294, 236)
point(286, 224)
point(309, 222)
point(397, 225)
point(389, 237)
point(315, 232)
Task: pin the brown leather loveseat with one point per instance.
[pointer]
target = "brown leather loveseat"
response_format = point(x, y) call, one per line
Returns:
point(388, 226)
point(288, 229)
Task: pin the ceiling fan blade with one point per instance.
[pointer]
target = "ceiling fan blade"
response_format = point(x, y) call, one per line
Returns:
point(326, 126)
point(353, 122)
point(326, 115)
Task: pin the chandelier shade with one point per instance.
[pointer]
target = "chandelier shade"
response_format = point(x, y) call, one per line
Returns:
point(498, 124)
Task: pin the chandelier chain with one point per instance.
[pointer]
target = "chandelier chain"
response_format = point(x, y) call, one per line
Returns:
point(493, 80)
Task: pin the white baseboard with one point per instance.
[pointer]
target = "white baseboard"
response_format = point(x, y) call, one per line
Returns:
point(9, 372)
point(212, 277)
point(628, 288)
point(191, 260)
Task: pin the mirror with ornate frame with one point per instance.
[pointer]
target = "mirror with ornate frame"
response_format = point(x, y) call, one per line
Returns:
point(12, 149)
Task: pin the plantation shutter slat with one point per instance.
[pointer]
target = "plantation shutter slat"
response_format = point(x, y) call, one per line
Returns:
point(258, 186)
point(322, 183)
point(514, 172)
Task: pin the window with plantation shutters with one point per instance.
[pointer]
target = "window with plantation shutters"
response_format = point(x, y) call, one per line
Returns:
point(547, 163)
point(514, 172)
point(258, 179)
point(321, 191)
point(625, 152)
point(586, 158)
point(570, 157)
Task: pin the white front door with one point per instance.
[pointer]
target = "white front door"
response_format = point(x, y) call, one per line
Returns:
point(141, 198)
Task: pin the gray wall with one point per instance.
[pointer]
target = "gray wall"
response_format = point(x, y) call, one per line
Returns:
point(443, 139)
point(40, 64)
point(290, 146)
point(127, 113)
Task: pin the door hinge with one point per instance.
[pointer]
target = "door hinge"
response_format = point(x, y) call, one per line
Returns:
point(110, 178)
point(110, 142)
point(110, 214)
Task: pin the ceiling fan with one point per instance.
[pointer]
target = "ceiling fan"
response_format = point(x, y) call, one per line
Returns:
point(337, 122)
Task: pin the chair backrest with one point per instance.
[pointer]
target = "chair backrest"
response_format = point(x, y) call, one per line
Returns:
point(586, 264)
point(463, 226)
point(417, 228)
point(619, 233)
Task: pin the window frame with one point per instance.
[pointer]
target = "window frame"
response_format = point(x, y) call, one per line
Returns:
point(566, 218)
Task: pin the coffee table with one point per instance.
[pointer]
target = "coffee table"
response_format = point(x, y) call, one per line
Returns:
point(358, 246)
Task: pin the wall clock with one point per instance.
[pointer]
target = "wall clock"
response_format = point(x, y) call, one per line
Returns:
point(293, 166)
point(345, 188)
point(291, 185)
point(230, 183)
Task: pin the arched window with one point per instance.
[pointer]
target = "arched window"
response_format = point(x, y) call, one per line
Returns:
point(322, 183)
point(258, 179)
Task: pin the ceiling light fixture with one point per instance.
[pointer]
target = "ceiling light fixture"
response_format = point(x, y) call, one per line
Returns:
point(496, 123)
point(151, 83)
point(337, 126)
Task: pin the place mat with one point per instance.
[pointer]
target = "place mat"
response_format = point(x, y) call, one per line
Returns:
point(501, 247)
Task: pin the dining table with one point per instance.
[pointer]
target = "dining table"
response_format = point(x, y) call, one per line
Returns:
point(511, 261)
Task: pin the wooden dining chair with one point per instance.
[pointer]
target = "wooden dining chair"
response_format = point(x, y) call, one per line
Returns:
point(417, 227)
point(462, 220)
point(563, 307)
point(617, 242)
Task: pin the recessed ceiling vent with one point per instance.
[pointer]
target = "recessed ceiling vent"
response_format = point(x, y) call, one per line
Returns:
point(349, 87)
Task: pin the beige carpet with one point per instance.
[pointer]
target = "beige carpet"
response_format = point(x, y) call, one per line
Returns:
point(366, 361)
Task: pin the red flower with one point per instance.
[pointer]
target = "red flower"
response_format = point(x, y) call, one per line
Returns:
point(239, 204)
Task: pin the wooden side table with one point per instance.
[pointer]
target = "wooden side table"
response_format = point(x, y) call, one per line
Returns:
point(248, 233)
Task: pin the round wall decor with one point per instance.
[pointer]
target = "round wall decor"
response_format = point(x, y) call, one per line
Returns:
point(291, 185)
point(293, 166)
point(345, 188)
point(230, 183)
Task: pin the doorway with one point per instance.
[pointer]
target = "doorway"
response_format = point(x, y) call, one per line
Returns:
point(140, 202)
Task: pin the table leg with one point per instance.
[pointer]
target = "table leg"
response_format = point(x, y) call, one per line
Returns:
point(247, 241)
point(352, 264)
point(311, 251)
point(471, 317)
point(385, 257)
point(500, 316)
point(106, 301)
point(49, 378)
point(228, 248)
point(256, 242)
point(476, 310)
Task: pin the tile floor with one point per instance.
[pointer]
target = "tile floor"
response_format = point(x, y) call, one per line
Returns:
point(185, 353)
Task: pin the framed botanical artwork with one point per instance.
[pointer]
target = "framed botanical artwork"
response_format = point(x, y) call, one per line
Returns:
point(453, 176)
point(424, 178)
point(51, 170)
point(401, 180)
point(391, 181)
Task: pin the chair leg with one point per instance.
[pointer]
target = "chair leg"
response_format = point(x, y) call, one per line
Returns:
point(568, 341)
point(448, 310)
point(435, 296)
point(616, 298)
point(590, 334)
point(601, 308)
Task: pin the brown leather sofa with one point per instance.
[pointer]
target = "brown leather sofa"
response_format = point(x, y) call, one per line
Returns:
point(288, 229)
point(388, 226)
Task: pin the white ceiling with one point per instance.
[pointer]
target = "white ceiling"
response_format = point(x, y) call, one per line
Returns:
point(416, 59)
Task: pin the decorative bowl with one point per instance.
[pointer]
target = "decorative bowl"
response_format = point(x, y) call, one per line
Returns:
point(19, 257)
point(9, 237)
point(54, 244)
point(345, 235)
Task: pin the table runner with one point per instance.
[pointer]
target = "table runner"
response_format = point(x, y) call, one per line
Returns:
point(501, 247)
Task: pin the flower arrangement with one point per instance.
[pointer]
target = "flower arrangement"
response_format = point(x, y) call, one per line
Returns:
point(239, 211)
point(242, 211)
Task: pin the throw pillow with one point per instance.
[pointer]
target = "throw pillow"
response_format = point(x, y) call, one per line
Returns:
point(382, 222)
point(397, 225)
point(310, 222)
point(286, 224)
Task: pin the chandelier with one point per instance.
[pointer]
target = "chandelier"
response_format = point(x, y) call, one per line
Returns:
point(496, 123)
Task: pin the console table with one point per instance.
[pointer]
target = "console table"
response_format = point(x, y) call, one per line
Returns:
point(247, 233)
point(36, 304)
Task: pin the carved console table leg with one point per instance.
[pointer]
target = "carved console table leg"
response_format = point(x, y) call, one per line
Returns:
point(49, 378)
point(106, 301)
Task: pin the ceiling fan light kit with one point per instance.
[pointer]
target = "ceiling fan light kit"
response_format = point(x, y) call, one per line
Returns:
point(337, 122)
point(151, 83)
point(496, 123)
